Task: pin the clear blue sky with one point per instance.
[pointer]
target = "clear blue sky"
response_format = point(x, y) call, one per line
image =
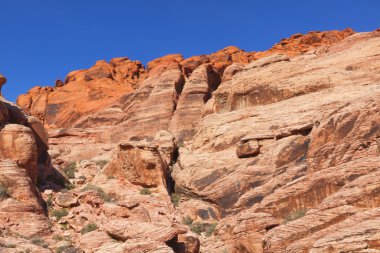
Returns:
point(43, 40)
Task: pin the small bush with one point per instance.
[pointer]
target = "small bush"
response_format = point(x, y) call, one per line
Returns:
point(187, 220)
point(210, 229)
point(111, 177)
point(197, 227)
point(59, 213)
point(49, 202)
point(37, 241)
point(11, 245)
point(82, 177)
point(3, 193)
point(101, 163)
point(70, 170)
point(176, 199)
point(295, 215)
point(67, 249)
point(145, 191)
point(88, 228)
point(58, 238)
point(102, 194)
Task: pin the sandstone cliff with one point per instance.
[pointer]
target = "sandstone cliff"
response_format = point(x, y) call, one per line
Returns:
point(274, 151)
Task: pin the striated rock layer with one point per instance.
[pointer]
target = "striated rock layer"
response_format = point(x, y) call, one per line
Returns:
point(274, 151)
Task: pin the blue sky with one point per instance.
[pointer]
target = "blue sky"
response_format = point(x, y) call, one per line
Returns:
point(43, 40)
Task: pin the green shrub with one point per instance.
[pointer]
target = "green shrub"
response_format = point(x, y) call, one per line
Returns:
point(70, 170)
point(3, 193)
point(295, 215)
point(49, 202)
point(187, 220)
point(59, 213)
point(176, 199)
point(101, 163)
point(88, 228)
point(145, 191)
point(82, 177)
point(68, 249)
point(197, 227)
point(102, 194)
point(37, 241)
point(210, 229)
point(11, 245)
point(111, 177)
point(58, 238)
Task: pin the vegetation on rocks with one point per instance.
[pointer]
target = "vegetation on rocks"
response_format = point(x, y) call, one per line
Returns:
point(145, 191)
point(101, 163)
point(3, 192)
point(88, 228)
point(295, 215)
point(176, 199)
point(99, 190)
point(59, 213)
point(70, 170)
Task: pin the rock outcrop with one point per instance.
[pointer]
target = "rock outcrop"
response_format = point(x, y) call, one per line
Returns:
point(23, 164)
point(274, 151)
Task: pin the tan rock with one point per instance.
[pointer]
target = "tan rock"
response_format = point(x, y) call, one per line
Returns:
point(18, 144)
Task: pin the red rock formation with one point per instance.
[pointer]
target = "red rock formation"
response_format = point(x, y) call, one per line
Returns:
point(274, 151)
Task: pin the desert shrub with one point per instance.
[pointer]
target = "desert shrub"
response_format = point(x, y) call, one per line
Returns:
point(70, 170)
point(59, 213)
point(187, 220)
point(68, 249)
point(176, 199)
point(58, 238)
point(101, 163)
point(3, 193)
point(295, 215)
point(100, 191)
point(145, 191)
point(88, 228)
point(37, 241)
point(49, 202)
point(210, 229)
point(111, 177)
point(82, 177)
point(197, 227)
point(11, 245)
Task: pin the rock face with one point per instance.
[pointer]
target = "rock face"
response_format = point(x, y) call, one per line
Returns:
point(274, 151)
point(21, 165)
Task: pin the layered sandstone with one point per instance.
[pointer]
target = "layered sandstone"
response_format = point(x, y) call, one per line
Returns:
point(235, 151)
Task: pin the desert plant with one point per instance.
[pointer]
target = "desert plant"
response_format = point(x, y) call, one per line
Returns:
point(58, 238)
point(100, 191)
point(176, 199)
point(70, 170)
point(37, 241)
point(197, 227)
point(11, 245)
point(49, 202)
point(210, 229)
point(59, 213)
point(88, 228)
point(295, 215)
point(111, 177)
point(101, 163)
point(82, 177)
point(187, 220)
point(145, 191)
point(3, 193)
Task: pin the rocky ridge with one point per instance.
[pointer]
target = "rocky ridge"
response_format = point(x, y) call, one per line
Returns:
point(273, 151)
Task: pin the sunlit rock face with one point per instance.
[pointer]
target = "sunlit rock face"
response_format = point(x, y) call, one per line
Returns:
point(273, 151)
